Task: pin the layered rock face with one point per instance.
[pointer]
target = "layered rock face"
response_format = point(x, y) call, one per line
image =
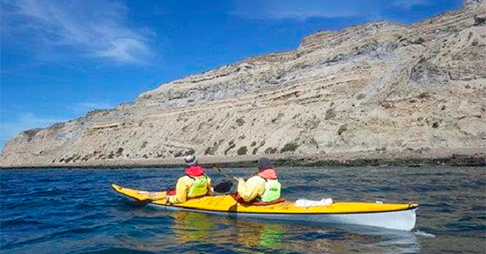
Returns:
point(379, 87)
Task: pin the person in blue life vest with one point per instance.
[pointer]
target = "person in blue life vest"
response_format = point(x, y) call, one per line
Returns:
point(263, 187)
point(193, 184)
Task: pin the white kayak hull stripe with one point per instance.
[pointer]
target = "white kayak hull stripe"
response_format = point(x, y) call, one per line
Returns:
point(397, 220)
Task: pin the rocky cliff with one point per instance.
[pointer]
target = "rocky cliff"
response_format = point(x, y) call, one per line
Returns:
point(379, 88)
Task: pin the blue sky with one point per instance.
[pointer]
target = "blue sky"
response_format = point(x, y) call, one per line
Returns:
point(62, 58)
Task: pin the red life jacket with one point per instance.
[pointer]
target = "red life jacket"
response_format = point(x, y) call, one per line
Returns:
point(268, 173)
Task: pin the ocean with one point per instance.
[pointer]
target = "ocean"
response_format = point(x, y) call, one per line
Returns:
point(76, 211)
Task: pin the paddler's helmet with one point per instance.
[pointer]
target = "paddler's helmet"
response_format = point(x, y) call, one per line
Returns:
point(190, 160)
point(264, 163)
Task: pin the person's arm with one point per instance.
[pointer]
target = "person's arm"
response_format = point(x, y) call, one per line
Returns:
point(182, 188)
point(249, 190)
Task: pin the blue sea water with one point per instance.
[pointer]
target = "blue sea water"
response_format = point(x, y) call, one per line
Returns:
point(75, 211)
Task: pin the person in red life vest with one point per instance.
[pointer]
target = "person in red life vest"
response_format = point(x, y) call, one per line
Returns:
point(263, 187)
point(194, 184)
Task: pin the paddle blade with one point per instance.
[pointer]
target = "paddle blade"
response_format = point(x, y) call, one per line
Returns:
point(223, 187)
point(135, 203)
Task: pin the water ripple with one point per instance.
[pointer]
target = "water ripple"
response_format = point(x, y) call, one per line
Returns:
point(75, 211)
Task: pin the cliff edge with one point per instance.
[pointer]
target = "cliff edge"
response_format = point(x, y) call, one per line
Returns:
point(379, 90)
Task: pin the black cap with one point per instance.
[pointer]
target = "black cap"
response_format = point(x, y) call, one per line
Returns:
point(264, 163)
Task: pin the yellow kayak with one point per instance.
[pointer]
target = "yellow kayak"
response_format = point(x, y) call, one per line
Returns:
point(391, 216)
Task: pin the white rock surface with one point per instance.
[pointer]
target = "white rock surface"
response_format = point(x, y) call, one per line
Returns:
point(375, 88)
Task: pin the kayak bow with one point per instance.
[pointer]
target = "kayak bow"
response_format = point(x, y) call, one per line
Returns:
point(391, 216)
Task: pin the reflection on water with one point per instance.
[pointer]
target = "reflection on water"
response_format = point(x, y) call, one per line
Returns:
point(255, 234)
point(266, 236)
point(75, 211)
point(189, 226)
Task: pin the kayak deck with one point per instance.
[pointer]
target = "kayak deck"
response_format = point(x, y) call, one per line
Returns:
point(371, 214)
point(225, 203)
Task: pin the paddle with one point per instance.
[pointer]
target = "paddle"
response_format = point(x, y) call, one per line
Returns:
point(222, 172)
point(222, 187)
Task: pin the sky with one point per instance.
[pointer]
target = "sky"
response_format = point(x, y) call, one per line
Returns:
point(63, 58)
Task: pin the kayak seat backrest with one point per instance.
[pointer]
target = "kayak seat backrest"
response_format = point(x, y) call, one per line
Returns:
point(240, 200)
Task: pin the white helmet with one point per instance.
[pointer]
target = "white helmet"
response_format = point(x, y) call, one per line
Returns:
point(190, 160)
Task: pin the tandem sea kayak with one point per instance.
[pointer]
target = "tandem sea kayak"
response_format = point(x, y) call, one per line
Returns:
point(390, 216)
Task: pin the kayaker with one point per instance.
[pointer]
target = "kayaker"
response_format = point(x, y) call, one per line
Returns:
point(263, 187)
point(194, 184)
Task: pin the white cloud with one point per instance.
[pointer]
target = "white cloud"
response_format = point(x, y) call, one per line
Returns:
point(27, 121)
point(306, 9)
point(298, 15)
point(24, 121)
point(85, 28)
point(87, 106)
point(125, 50)
point(409, 4)
point(300, 10)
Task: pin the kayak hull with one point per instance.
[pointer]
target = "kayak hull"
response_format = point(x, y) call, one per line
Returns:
point(397, 220)
point(390, 216)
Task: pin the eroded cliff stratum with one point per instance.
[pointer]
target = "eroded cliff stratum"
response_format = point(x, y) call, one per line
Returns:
point(375, 88)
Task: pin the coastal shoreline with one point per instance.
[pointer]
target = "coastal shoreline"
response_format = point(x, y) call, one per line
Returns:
point(371, 94)
point(448, 157)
